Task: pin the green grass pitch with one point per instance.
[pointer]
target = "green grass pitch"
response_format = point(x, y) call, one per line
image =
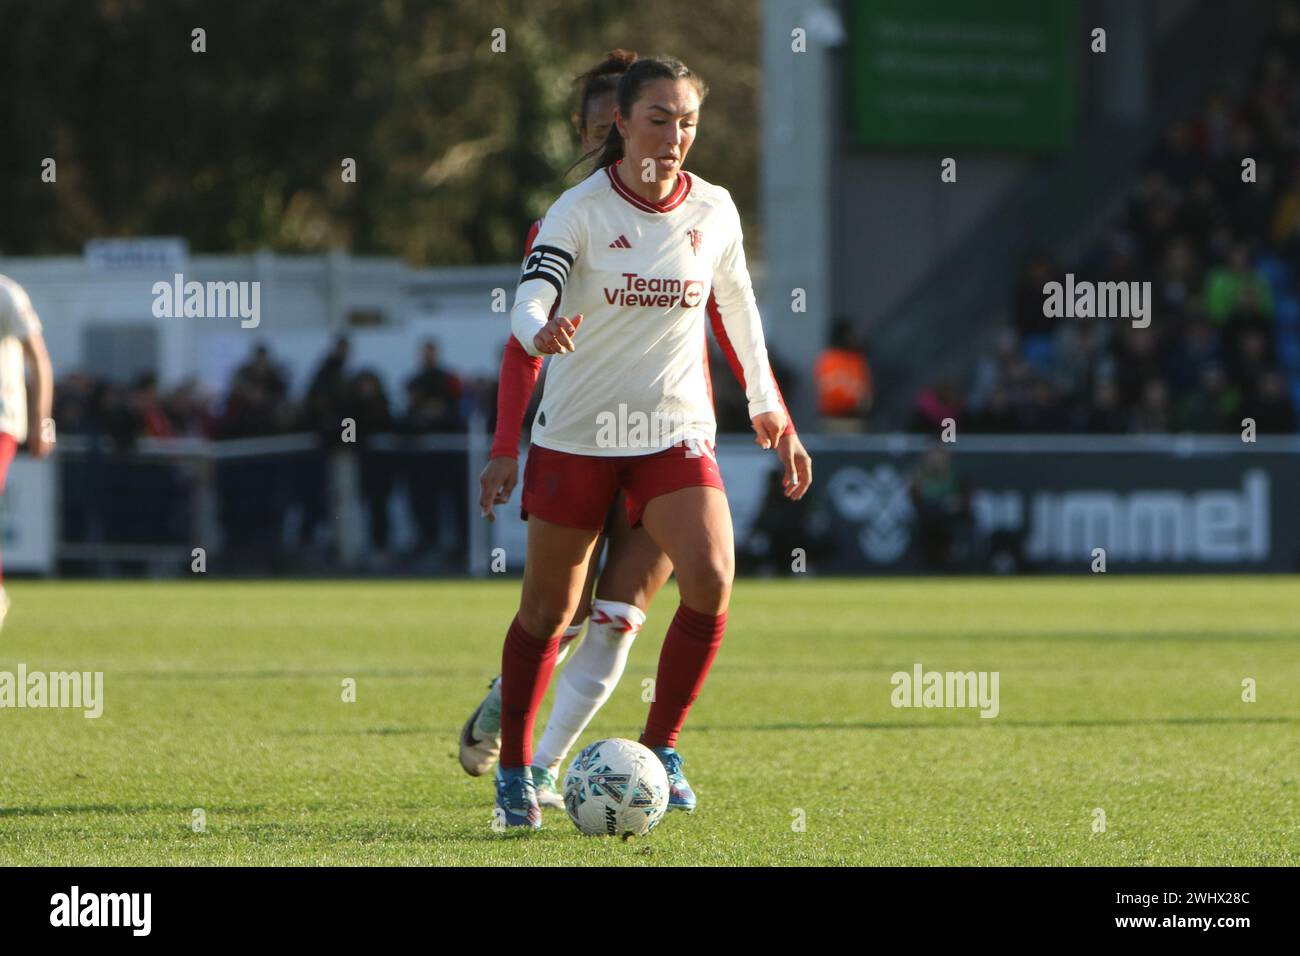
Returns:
point(1119, 694)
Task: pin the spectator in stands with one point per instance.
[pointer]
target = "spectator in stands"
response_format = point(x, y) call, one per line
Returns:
point(434, 395)
point(1248, 367)
point(322, 411)
point(936, 404)
point(1211, 408)
point(996, 416)
point(1197, 348)
point(991, 370)
point(1175, 158)
point(1202, 215)
point(1234, 285)
point(1152, 221)
point(75, 407)
point(1037, 331)
point(119, 418)
point(1271, 407)
point(1213, 131)
point(1251, 212)
point(1284, 230)
point(435, 488)
point(1043, 413)
point(1106, 416)
point(1137, 362)
point(1080, 346)
point(264, 372)
point(148, 408)
point(1180, 280)
point(843, 377)
point(189, 409)
point(249, 411)
point(941, 503)
point(1152, 414)
point(367, 404)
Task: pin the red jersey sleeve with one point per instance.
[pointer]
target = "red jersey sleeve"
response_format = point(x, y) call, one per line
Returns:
point(720, 333)
point(515, 384)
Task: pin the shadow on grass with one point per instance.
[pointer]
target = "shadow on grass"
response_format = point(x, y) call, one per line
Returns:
point(288, 674)
point(966, 724)
point(995, 722)
point(117, 809)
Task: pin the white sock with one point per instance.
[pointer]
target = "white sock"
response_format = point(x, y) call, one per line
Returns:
point(589, 678)
point(566, 641)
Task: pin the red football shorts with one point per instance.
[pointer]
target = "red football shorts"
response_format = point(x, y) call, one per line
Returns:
point(577, 490)
point(8, 448)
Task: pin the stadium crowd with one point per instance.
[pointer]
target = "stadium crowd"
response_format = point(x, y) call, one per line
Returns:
point(275, 511)
point(258, 402)
point(1220, 253)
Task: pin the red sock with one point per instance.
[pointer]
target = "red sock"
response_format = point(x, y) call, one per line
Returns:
point(526, 667)
point(689, 648)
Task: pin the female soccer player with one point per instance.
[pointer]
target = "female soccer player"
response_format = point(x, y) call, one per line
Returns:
point(21, 418)
point(636, 568)
point(630, 252)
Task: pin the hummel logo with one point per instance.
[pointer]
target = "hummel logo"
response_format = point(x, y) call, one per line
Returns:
point(620, 243)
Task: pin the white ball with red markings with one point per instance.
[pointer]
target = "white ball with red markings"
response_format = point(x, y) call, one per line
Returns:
point(616, 787)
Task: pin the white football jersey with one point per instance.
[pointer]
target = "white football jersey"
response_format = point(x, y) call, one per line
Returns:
point(640, 274)
point(17, 321)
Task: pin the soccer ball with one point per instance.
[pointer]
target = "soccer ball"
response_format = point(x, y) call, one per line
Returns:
point(616, 788)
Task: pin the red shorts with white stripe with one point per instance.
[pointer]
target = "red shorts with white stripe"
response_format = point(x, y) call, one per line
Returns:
point(8, 448)
point(577, 490)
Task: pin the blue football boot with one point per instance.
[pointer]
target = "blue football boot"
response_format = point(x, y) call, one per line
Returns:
point(680, 794)
point(517, 799)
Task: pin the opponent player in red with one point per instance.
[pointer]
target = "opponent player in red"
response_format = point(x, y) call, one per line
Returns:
point(631, 253)
point(636, 567)
point(21, 418)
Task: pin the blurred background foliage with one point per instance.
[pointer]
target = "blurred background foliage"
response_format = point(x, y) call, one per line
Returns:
point(457, 148)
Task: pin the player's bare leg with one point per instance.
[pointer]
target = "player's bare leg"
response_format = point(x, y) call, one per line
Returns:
point(480, 735)
point(634, 572)
point(554, 574)
point(693, 526)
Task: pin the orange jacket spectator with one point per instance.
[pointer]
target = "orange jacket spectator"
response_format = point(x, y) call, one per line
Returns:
point(843, 383)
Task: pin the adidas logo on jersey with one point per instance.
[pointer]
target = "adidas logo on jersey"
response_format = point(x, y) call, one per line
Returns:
point(620, 243)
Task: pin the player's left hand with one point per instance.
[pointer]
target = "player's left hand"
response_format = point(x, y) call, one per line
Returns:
point(498, 479)
point(798, 465)
point(767, 428)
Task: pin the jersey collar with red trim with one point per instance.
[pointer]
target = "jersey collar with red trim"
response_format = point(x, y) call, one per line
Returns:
point(667, 204)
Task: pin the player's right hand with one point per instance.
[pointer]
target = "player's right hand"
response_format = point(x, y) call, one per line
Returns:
point(498, 479)
point(768, 428)
point(38, 446)
point(556, 335)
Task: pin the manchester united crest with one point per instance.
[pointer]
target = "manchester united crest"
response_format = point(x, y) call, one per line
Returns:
point(696, 238)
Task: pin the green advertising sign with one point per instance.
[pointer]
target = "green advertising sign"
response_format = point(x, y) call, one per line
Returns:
point(992, 74)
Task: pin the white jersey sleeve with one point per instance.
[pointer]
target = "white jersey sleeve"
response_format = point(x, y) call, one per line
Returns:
point(546, 269)
point(18, 322)
point(17, 317)
point(735, 296)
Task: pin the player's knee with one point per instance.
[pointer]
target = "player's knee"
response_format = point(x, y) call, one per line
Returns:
point(632, 585)
point(707, 586)
point(583, 611)
point(544, 619)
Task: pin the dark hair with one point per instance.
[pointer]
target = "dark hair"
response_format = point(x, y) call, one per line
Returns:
point(643, 71)
point(600, 79)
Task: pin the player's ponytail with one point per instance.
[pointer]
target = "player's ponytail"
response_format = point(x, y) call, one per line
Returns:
point(640, 73)
point(600, 79)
